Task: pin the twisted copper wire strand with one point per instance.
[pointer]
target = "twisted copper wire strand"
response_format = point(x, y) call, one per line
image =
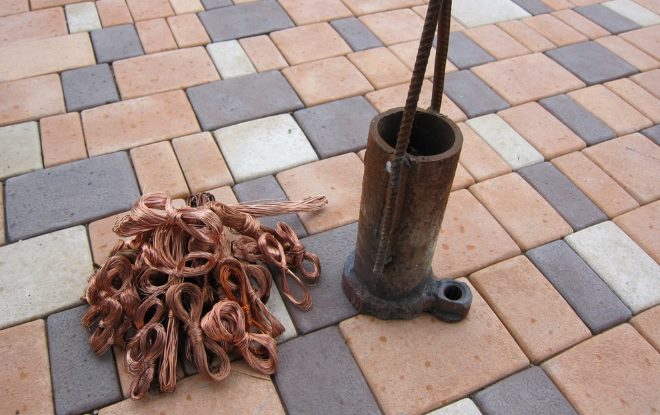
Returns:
point(178, 276)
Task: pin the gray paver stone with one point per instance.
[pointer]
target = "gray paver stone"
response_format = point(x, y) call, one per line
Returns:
point(214, 4)
point(577, 118)
point(472, 95)
point(356, 34)
point(610, 20)
point(653, 133)
point(533, 7)
point(244, 20)
point(114, 43)
point(465, 53)
point(89, 87)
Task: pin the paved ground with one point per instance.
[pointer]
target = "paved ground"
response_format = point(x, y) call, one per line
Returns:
point(553, 222)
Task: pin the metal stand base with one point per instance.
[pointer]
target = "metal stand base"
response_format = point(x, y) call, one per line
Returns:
point(448, 300)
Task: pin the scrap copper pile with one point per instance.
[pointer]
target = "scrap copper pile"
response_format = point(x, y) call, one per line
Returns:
point(179, 283)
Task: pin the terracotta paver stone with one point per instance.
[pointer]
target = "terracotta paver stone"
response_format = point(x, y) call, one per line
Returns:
point(30, 99)
point(309, 11)
point(407, 52)
point(101, 237)
point(202, 163)
point(138, 121)
point(496, 41)
point(554, 29)
point(642, 226)
point(648, 324)
point(558, 4)
point(309, 43)
point(479, 159)
point(394, 26)
point(628, 52)
point(149, 9)
point(542, 130)
point(595, 183)
point(263, 53)
point(62, 139)
point(470, 238)
point(26, 387)
point(535, 314)
point(380, 67)
point(188, 31)
point(527, 78)
point(462, 179)
point(175, 69)
point(407, 374)
point(35, 25)
point(638, 97)
point(360, 7)
point(42, 4)
point(326, 80)
point(9, 7)
point(339, 178)
point(158, 170)
point(155, 35)
point(614, 372)
point(580, 23)
point(113, 12)
point(525, 214)
point(646, 39)
point(649, 80)
point(187, 6)
point(527, 36)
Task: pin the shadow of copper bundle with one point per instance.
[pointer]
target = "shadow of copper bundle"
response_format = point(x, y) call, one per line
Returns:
point(179, 283)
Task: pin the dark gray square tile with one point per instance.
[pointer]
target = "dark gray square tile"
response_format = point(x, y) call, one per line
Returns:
point(337, 127)
point(465, 53)
point(573, 205)
point(653, 133)
point(114, 43)
point(214, 4)
point(610, 20)
point(89, 87)
point(533, 7)
point(267, 188)
point(70, 194)
point(318, 375)
point(244, 20)
point(591, 62)
point(586, 125)
point(245, 98)
point(591, 298)
point(530, 392)
point(82, 381)
point(472, 95)
point(356, 34)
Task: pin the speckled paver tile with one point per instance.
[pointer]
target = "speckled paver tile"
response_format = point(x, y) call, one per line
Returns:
point(26, 388)
point(321, 361)
point(648, 325)
point(554, 29)
point(230, 59)
point(614, 372)
point(20, 149)
point(628, 52)
point(38, 24)
point(263, 54)
point(642, 225)
point(633, 11)
point(356, 34)
point(278, 309)
point(476, 13)
point(535, 314)
point(645, 39)
point(101, 237)
point(470, 238)
point(30, 99)
point(149, 9)
point(158, 170)
point(579, 59)
point(462, 407)
point(581, 23)
point(495, 41)
point(478, 158)
point(649, 81)
point(580, 286)
point(533, 7)
point(586, 125)
point(62, 139)
point(611, 21)
point(68, 195)
point(394, 26)
point(653, 133)
point(89, 87)
point(201, 162)
point(113, 12)
point(623, 265)
point(381, 67)
point(527, 36)
point(242, 20)
point(117, 42)
point(465, 53)
point(337, 127)
point(309, 43)
point(528, 218)
point(137, 122)
point(186, 6)
point(305, 11)
point(472, 95)
point(475, 352)
point(82, 17)
point(82, 381)
point(235, 100)
point(638, 97)
point(155, 35)
point(359, 7)
point(60, 259)
point(188, 31)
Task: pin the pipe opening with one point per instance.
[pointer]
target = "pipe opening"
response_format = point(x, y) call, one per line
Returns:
point(430, 134)
point(453, 292)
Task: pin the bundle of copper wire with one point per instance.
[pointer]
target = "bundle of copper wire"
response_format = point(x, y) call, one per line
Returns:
point(179, 282)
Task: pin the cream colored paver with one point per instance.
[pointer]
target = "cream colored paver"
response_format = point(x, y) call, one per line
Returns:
point(186, 6)
point(82, 17)
point(2, 215)
point(230, 59)
point(20, 149)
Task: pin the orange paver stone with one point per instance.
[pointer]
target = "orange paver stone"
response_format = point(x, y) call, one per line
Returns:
point(479, 159)
point(528, 217)
point(158, 170)
point(595, 183)
point(581, 24)
point(309, 43)
point(470, 238)
point(653, 5)
point(166, 71)
point(263, 53)
point(407, 374)
point(527, 36)
point(648, 325)
point(62, 139)
point(496, 41)
point(642, 226)
point(202, 163)
point(554, 29)
point(628, 52)
point(35, 25)
point(138, 121)
point(394, 26)
point(558, 4)
point(646, 39)
point(535, 314)
point(155, 35)
point(407, 52)
point(187, 6)
point(30, 99)
point(638, 97)
point(339, 178)
point(527, 78)
point(149, 9)
point(42, 4)
point(615, 372)
point(8, 7)
point(462, 179)
point(188, 31)
point(649, 80)
point(360, 7)
point(113, 12)
point(101, 237)
point(380, 67)
point(304, 12)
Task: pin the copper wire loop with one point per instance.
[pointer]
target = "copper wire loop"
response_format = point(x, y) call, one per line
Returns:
point(179, 285)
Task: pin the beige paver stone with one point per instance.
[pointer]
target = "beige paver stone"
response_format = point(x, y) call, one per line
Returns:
point(30, 99)
point(638, 97)
point(42, 4)
point(628, 52)
point(542, 130)
point(2, 215)
point(359, 7)
point(407, 374)
point(326, 80)
point(20, 149)
point(496, 41)
point(202, 163)
point(642, 226)
point(554, 29)
point(394, 26)
point(102, 238)
point(463, 407)
point(304, 12)
point(479, 159)
point(648, 325)
point(462, 179)
point(649, 80)
point(407, 52)
point(309, 43)
point(535, 314)
point(158, 170)
point(614, 372)
point(82, 17)
point(113, 12)
point(9, 7)
point(525, 214)
point(188, 31)
point(149, 9)
point(381, 67)
point(43, 56)
point(62, 139)
point(527, 78)
point(34, 25)
point(595, 183)
point(155, 35)
point(263, 53)
point(230, 59)
point(527, 36)
point(470, 238)
point(338, 178)
point(26, 387)
point(165, 71)
point(138, 121)
point(186, 6)
point(646, 39)
point(580, 23)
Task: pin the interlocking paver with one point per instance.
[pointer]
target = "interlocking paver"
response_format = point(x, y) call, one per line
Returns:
point(559, 4)
point(580, 23)
point(554, 29)
point(82, 381)
point(116, 42)
point(650, 4)
point(648, 325)
point(305, 11)
point(476, 13)
point(186, 6)
point(158, 170)
point(62, 139)
point(149, 9)
point(641, 225)
point(82, 17)
point(188, 31)
point(263, 53)
point(10, 7)
point(407, 52)
point(381, 67)
point(230, 59)
point(628, 52)
point(527, 36)
point(30, 99)
point(653, 133)
point(276, 306)
point(356, 34)
point(649, 81)
point(638, 97)
point(645, 39)
point(113, 12)
point(235, 100)
point(360, 7)
point(38, 24)
point(309, 43)
point(155, 35)
point(102, 238)
point(465, 53)
point(26, 387)
point(579, 59)
point(201, 162)
point(462, 179)
point(394, 26)
point(633, 11)
point(462, 407)
point(242, 20)
point(62, 262)
point(472, 94)
point(495, 41)
point(89, 87)
point(533, 7)
point(42, 4)
point(20, 149)
point(611, 21)
point(586, 125)
point(478, 158)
